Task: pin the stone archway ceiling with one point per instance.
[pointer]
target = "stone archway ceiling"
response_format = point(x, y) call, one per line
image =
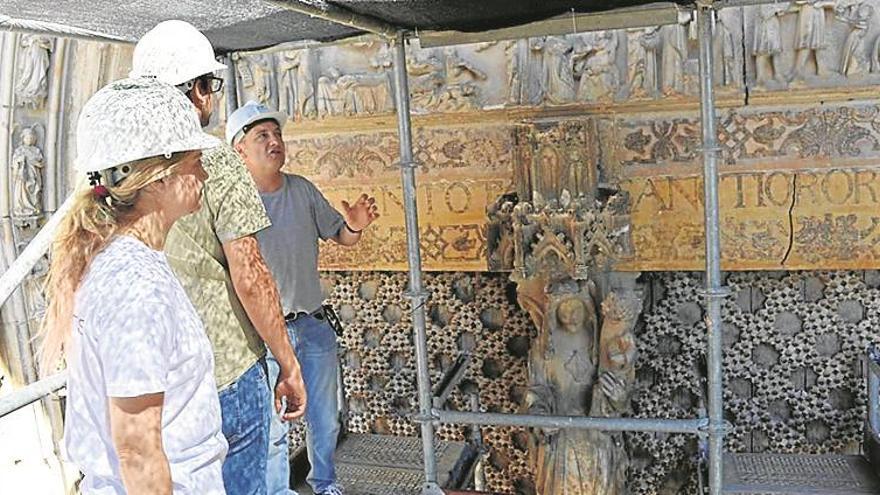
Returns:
point(252, 24)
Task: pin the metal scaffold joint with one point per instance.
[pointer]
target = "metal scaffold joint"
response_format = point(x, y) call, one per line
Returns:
point(408, 164)
point(716, 293)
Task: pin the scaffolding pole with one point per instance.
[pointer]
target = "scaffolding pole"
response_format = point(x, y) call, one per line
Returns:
point(416, 293)
point(714, 292)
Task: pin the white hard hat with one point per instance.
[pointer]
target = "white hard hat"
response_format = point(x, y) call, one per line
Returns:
point(249, 113)
point(173, 52)
point(132, 119)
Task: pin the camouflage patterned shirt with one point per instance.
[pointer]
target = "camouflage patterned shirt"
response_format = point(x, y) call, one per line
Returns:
point(231, 209)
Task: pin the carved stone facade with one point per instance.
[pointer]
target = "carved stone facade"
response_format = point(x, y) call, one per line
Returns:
point(542, 132)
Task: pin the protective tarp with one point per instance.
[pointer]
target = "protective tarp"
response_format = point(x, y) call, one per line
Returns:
point(233, 25)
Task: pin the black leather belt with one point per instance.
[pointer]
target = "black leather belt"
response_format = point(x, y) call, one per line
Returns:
point(317, 314)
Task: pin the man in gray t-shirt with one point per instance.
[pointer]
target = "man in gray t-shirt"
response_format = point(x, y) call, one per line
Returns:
point(300, 216)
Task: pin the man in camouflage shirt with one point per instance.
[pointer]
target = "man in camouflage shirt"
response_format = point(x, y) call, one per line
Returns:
point(215, 254)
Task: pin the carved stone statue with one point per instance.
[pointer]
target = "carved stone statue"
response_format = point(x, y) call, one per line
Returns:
point(27, 176)
point(726, 54)
point(557, 76)
point(858, 17)
point(32, 80)
point(581, 363)
point(810, 34)
point(290, 82)
point(767, 43)
point(644, 63)
point(673, 57)
point(594, 63)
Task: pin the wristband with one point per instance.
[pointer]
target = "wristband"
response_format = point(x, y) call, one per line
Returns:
point(352, 230)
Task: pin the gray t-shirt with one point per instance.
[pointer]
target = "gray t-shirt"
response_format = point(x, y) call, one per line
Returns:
point(300, 215)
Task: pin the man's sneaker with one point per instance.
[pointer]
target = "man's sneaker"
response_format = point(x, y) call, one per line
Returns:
point(333, 490)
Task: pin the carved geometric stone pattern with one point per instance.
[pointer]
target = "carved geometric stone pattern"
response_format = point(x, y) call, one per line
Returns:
point(792, 382)
point(465, 311)
point(792, 379)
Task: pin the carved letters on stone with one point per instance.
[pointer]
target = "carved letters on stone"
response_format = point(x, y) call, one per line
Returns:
point(461, 172)
point(32, 76)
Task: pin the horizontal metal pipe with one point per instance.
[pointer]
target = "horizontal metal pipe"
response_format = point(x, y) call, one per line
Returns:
point(339, 15)
point(693, 426)
point(22, 266)
point(32, 393)
point(41, 27)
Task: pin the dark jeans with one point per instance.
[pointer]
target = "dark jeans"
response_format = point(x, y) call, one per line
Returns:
point(244, 406)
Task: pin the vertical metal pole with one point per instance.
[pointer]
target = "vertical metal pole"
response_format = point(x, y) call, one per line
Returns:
point(873, 397)
point(416, 292)
point(714, 292)
point(231, 86)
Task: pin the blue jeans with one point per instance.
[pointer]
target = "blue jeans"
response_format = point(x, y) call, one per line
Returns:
point(315, 345)
point(244, 406)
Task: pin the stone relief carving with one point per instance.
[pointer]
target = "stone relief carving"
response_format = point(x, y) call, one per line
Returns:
point(27, 176)
point(644, 62)
point(857, 17)
point(595, 66)
point(256, 78)
point(842, 131)
point(672, 60)
point(32, 78)
point(809, 37)
point(767, 42)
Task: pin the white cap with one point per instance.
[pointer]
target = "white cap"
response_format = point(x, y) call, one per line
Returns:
point(173, 52)
point(132, 119)
point(249, 113)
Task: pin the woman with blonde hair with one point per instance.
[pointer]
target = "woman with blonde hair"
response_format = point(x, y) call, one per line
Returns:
point(142, 410)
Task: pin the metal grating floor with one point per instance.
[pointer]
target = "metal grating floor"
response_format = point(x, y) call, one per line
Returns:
point(790, 474)
point(390, 465)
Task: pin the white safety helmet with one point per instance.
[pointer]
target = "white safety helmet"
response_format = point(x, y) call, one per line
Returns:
point(132, 119)
point(173, 52)
point(246, 115)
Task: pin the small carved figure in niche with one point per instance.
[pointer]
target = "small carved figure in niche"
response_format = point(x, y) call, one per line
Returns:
point(328, 97)
point(673, 58)
point(644, 72)
point(557, 77)
point(290, 81)
point(767, 43)
point(27, 178)
point(726, 50)
point(810, 34)
point(594, 63)
point(32, 81)
point(858, 17)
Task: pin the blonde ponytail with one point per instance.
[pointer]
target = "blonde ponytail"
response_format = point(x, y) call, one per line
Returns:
point(88, 228)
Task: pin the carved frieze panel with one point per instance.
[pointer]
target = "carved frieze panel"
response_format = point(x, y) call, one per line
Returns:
point(461, 171)
point(804, 135)
point(813, 43)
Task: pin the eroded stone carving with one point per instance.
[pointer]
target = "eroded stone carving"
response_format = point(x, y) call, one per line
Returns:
point(32, 79)
point(767, 42)
point(563, 239)
point(594, 66)
point(27, 176)
point(857, 16)
point(673, 58)
point(809, 38)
